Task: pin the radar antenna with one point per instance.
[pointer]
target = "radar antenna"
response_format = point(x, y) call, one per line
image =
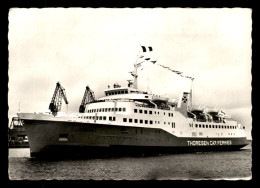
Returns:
point(87, 98)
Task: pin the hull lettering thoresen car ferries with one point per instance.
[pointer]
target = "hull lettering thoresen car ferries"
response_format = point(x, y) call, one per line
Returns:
point(129, 120)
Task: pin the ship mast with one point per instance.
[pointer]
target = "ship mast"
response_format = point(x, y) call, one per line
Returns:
point(134, 73)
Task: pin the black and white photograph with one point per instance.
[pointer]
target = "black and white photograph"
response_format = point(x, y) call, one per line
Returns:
point(129, 93)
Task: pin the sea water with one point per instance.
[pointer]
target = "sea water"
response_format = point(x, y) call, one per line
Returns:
point(230, 165)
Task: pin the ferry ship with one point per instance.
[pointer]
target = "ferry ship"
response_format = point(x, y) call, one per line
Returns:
point(129, 120)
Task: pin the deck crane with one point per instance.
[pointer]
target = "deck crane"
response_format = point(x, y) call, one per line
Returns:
point(56, 100)
point(87, 98)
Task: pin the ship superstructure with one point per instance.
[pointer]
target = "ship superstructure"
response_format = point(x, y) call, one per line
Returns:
point(129, 119)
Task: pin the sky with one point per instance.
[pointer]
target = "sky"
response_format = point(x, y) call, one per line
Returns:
point(98, 47)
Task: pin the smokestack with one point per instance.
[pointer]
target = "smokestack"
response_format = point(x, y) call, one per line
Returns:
point(183, 103)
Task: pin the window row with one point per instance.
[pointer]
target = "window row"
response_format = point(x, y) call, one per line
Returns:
point(106, 110)
point(116, 92)
point(213, 126)
point(150, 112)
point(141, 121)
point(110, 118)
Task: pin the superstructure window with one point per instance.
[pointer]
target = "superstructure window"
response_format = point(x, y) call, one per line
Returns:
point(209, 126)
point(196, 125)
point(114, 118)
point(109, 109)
point(104, 117)
point(141, 121)
point(151, 122)
point(136, 120)
point(120, 109)
point(199, 125)
point(100, 117)
point(146, 121)
point(140, 111)
point(150, 112)
point(145, 111)
point(203, 126)
point(124, 109)
point(135, 110)
point(124, 120)
point(130, 120)
point(116, 109)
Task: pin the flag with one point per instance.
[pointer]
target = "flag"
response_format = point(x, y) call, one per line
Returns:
point(145, 49)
